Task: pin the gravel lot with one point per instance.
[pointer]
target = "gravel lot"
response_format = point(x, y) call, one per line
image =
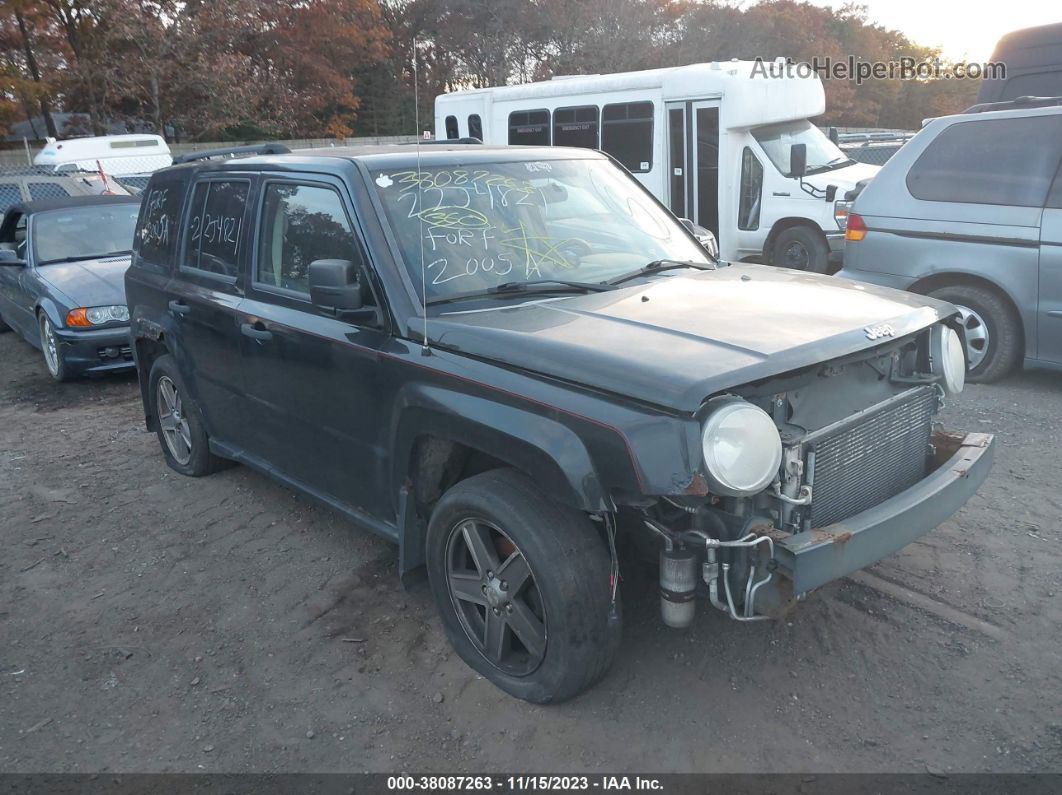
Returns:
point(150, 622)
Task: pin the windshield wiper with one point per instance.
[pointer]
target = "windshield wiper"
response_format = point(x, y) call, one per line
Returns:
point(660, 265)
point(83, 257)
point(517, 288)
point(837, 162)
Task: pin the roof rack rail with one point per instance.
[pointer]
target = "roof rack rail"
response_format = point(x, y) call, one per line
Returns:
point(432, 141)
point(253, 149)
point(1010, 104)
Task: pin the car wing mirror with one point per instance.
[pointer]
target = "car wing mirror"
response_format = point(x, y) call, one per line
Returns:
point(335, 290)
point(798, 160)
point(10, 257)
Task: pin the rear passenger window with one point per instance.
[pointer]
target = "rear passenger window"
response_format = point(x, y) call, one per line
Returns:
point(529, 127)
point(156, 232)
point(990, 161)
point(215, 227)
point(46, 190)
point(576, 127)
point(300, 224)
point(475, 126)
point(627, 134)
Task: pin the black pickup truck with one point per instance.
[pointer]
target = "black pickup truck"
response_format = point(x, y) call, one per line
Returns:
point(505, 358)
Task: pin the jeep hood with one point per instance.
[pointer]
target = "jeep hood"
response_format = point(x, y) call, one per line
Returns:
point(679, 337)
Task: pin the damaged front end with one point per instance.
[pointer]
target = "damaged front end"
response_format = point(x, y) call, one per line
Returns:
point(859, 470)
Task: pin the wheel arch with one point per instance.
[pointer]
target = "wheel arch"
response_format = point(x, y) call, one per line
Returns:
point(935, 281)
point(783, 224)
point(447, 437)
point(145, 351)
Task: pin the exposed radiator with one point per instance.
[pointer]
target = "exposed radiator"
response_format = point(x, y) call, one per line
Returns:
point(865, 459)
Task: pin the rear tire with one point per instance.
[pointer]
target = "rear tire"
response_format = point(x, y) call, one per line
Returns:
point(993, 330)
point(496, 543)
point(801, 248)
point(183, 438)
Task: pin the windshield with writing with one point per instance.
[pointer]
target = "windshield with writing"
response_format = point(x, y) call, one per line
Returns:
point(498, 223)
point(84, 232)
point(776, 140)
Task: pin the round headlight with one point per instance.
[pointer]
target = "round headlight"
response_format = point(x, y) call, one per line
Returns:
point(742, 448)
point(952, 359)
point(120, 313)
point(98, 314)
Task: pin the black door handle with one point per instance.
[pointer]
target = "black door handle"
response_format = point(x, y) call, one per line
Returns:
point(179, 308)
point(259, 334)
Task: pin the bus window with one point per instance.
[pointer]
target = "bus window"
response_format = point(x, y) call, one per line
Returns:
point(475, 126)
point(576, 127)
point(529, 127)
point(751, 191)
point(451, 127)
point(627, 134)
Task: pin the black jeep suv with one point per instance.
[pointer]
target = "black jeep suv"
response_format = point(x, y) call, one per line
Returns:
point(501, 358)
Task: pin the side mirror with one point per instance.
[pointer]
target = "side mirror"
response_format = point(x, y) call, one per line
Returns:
point(335, 290)
point(831, 193)
point(690, 226)
point(10, 257)
point(798, 160)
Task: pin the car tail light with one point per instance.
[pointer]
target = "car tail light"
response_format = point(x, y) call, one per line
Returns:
point(856, 228)
point(78, 318)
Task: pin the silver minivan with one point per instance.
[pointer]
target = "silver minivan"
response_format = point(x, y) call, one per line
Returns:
point(970, 211)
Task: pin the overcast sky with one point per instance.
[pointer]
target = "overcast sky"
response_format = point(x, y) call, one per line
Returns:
point(967, 29)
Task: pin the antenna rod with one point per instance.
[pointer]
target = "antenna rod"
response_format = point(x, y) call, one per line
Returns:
point(424, 350)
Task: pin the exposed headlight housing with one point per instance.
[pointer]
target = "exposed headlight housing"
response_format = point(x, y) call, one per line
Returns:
point(742, 448)
point(97, 315)
point(948, 359)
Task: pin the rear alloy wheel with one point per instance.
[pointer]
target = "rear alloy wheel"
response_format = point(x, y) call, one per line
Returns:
point(53, 352)
point(802, 249)
point(178, 422)
point(522, 586)
point(993, 330)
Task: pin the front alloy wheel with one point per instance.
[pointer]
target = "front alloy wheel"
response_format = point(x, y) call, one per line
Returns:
point(496, 598)
point(523, 586)
point(53, 354)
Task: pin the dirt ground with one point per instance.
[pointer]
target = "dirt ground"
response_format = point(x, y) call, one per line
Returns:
point(151, 622)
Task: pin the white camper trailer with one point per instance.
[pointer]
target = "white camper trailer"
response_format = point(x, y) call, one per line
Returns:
point(117, 155)
point(728, 145)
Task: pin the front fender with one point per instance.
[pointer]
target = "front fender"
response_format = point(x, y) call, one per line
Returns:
point(545, 449)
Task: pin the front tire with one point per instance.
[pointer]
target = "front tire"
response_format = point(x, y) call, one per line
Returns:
point(53, 351)
point(183, 438)
point(993, 330)
point(801, 248)
point(522, 586)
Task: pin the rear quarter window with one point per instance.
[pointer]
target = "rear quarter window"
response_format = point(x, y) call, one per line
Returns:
point(990, 161)
point(156, 236)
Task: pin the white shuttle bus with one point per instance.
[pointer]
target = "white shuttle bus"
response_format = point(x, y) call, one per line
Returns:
point(117, 155)
point(728, 145)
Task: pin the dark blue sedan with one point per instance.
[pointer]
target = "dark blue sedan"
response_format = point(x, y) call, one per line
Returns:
point(62, 263)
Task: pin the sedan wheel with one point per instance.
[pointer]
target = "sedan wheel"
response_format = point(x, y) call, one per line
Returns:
point(173, 422)
point(53, 354)
point(496, 598)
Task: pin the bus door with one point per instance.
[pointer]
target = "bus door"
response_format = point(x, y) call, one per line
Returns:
point(693, 161)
